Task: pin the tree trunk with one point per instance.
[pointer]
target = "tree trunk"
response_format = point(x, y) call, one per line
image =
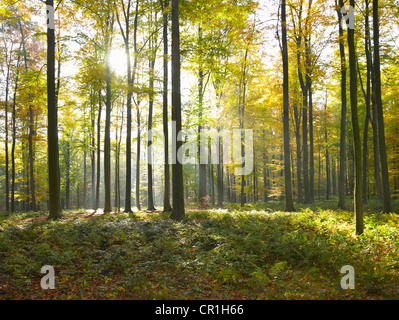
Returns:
point(98, 150)
point(311, 147)
point(367, 98)
point(14, 137)
point(31, 134)
point(93, 160)
point(201, 147)
point(67, 174)
point(298, 152)
point(342, 145)
point(6, 142)
point(376, 152)
point(107, 133)
point(289, 204)
point(333, 177)
point(166, 198)
point(52, 132)
point(107, 145)
point(243, 198)
point(138, 146)
point(84, 179)
point(380, 116)
point(178, 212)
point(328, 184)
point(150, 187)
point(357, 147)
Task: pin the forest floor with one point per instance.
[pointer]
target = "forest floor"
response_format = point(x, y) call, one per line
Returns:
point(259, 252)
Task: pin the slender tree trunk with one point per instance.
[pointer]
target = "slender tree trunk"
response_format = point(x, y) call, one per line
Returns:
point(289, 204)
point(93, 160)
point(333, 177)
point(357, 147)
point(380, 116)
point(6, 142)
point(150, 186)
point(305, 149)
point(14, 137)
point(52, 132)
point(138, 146)
point(130, 81)
point(178, 212)
point(367, 97)
point(98, 150)
point(67, 175)
point(328, 185)
point(311, 147)
point(219, 172)
point(201, 147)
point(243, 198)
point(84, 179)
point(342, 145)
point(108, 107)
point(33, 206)
point(298, 152)
point(107, 144)
point(166, 198)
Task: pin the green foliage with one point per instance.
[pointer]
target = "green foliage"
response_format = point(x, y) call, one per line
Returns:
point(218, 253)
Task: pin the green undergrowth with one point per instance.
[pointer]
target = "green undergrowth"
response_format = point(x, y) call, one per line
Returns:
point(256, 253)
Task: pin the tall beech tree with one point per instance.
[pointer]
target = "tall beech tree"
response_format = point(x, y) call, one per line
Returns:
point(357, 146)
point(178, 212)
point(125, 31)
point(380, 113)
point(52, 131)
point(165, 119)
point(289, 204)
point(342, 144)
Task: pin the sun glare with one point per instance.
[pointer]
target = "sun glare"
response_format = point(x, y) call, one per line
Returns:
point(117, 59)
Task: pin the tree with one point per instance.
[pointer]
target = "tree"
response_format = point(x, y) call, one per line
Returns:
point(126, 6)
point(166, 199)
point(153, 47)
point(178, 212)
point(357, 147)
point(380, 116)
point(31, 130)
point(342, 145)
point(107, 139)
point(52, 132)
point(289, 204)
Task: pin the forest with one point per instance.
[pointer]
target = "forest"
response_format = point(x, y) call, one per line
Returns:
point(199, 149)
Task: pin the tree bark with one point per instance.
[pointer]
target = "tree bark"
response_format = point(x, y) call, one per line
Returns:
point(166, 198)
point(52, 132)
point(98, 150)
point(357, 147)
point(289, 204)
point(150, 186)
point(178, 212)
point(107, 132)
point(14, 137)
point(342, 145)
point(67, 175)
point(6, 141)
point(380, 116)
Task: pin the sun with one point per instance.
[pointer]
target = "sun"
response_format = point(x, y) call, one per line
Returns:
point(117, 60)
